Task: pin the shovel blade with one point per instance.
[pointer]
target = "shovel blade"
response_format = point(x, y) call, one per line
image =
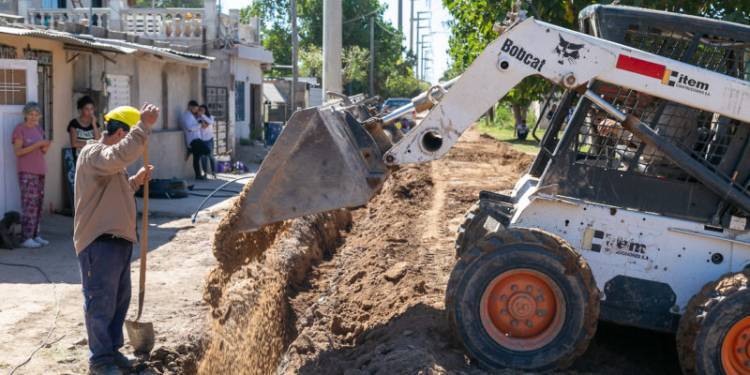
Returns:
point(141, 336)
point(324, 159)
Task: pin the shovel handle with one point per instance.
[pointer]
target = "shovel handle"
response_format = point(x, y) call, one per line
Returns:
point(144, 238)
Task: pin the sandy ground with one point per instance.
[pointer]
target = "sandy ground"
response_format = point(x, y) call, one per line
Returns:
point(178, 261)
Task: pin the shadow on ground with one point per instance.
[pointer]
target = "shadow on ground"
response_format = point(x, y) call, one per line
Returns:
point(418, 340)
point(58, 260)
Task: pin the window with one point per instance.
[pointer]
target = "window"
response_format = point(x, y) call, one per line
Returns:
point(12, 87)
point(239, 101)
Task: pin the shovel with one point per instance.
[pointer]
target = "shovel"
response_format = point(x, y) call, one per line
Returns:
point(141, 334)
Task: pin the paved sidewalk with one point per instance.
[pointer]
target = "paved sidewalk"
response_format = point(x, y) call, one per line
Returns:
point(185, 207)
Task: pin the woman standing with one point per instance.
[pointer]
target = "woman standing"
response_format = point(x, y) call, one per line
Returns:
point(207, 136)
point(30, 146)
point(84, 127)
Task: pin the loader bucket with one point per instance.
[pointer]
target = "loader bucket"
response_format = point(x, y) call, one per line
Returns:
point(324, 159)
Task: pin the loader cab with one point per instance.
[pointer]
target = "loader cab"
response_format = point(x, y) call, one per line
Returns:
point(586, 156)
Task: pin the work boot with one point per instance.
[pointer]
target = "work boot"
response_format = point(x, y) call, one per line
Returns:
point(122, 361)
point(105, 369)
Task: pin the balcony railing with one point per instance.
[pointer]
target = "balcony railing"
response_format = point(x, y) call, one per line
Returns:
point(169, 24)
point(164, 23)
point(53, 17)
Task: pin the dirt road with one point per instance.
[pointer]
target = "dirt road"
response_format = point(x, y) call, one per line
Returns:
point(178, 262)
point(374, 302)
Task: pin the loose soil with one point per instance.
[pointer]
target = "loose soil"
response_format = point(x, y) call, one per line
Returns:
point(362, 292)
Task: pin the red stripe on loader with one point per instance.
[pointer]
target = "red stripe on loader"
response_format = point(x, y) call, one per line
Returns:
point(642, 67)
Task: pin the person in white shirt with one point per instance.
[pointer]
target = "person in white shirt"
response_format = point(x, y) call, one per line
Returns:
point(190, 126)
point(207, 136)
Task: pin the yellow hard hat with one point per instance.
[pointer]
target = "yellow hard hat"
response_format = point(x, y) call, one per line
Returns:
point(126, 114)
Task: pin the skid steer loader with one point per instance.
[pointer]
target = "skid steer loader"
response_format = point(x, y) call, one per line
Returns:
point(635, 211)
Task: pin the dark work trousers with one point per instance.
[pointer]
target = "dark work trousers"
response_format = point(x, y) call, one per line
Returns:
point(198, 149)
point(105, 276)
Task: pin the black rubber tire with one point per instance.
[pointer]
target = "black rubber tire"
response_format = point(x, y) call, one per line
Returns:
point(471, 229)
point(523, 248)
point(707, 319)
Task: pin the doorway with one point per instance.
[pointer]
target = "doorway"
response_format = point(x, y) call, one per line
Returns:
point(18, 86)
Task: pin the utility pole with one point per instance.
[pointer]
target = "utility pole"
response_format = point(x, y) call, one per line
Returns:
point(411, 28)
point(332, 29)
point(419, 27)
point(295, 46)
point(372, 56)
point(401, 15)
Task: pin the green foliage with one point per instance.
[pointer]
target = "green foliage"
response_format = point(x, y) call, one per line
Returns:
point(311, 62)
point(471, 28)
point(391, 68)
point(404, 86)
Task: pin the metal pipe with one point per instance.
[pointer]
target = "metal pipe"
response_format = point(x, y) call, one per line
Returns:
point(423, 101)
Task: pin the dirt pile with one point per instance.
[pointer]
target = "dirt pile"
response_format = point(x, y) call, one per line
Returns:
point(247, 291)
point(373, 300)
point(370, 300)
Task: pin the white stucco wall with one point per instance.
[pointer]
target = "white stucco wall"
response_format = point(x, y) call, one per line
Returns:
point(62, 101)
point(248, 71)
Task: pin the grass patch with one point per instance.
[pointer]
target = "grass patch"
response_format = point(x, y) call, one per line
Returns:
point(502, 130)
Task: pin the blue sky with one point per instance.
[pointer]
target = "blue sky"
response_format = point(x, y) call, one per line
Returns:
point(440, 32)
point(439, 36)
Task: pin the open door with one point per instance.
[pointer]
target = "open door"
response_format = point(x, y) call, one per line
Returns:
point(18, 85)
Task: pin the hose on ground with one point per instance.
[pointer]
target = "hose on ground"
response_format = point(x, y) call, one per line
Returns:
point(200, 207)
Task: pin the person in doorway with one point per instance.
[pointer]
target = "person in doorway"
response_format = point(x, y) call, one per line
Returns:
point(83, 128)
point(190, 126)
point(104, 230)
point(30, 146)
point(207, 136)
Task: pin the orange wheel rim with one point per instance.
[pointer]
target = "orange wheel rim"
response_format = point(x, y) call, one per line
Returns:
point(522, 309)
point(735, 356)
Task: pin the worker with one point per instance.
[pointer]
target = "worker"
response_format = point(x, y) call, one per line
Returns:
point(104, 229)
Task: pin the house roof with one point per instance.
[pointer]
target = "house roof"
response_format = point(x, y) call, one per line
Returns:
point(179, 56)
point(108, 45)
point(64, 37)
point(272, 94)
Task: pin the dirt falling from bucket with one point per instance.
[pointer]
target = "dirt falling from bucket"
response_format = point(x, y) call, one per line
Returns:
point(247, 291)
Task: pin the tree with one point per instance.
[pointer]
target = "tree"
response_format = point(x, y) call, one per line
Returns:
point(390, 65)
point(472, 31)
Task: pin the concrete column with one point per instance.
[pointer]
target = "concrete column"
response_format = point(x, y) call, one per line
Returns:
point(210, 19)
point(332, 46)
point(115, 20)
point(23, 9)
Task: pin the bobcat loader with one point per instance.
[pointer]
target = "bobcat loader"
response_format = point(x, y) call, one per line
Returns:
point(635, 211)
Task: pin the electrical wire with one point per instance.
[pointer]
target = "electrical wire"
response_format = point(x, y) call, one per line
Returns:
point(46, 340)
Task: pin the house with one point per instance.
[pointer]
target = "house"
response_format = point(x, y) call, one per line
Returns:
point(276, 92)
point(118, 54)
point(55, 68)
point(231, 86)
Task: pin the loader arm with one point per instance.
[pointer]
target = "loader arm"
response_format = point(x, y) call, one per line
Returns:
point(569, 59)
point(326, 158)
